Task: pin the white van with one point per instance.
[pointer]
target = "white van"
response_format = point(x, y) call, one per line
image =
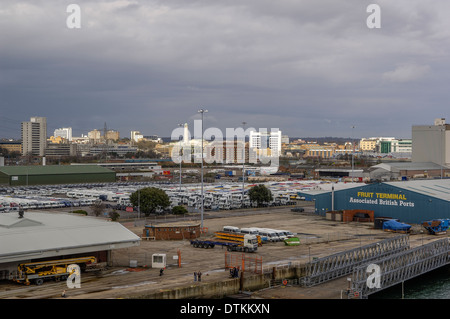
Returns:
point(230, 229)
point(269, 234)
point(287, 233)
point(279, 233)
point(250, 231)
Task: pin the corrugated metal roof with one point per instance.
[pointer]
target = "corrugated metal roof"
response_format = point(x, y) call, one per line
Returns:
point(41, 234)
point(327, 188)
point(53, 169)
point(439, 188)
point(408, 166)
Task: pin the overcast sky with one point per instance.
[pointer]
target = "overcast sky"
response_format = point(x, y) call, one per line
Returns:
point(306, 67)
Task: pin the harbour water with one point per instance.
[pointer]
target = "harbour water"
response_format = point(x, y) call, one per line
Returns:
point(433, 285)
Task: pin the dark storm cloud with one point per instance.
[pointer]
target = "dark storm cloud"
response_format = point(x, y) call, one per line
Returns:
point(309, 68)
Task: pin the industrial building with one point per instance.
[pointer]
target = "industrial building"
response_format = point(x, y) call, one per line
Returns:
point(177, 231)
point(55, 174)
point(407, 170)
point(338, 172)
point(408, 201)
point(431, 143)
point(38, 236)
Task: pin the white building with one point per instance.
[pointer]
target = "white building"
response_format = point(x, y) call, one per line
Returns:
point(65, 132)
point(83, 139)
point(136, 136)
point(261, 141)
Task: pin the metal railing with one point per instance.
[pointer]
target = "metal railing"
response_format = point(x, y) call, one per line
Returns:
point(340, 264)
point(400, 267)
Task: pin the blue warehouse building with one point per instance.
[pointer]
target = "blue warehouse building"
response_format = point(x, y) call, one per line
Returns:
point(408, 201)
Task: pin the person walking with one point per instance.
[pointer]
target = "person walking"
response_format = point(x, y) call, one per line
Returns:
point(195, 276)
point(199, 274)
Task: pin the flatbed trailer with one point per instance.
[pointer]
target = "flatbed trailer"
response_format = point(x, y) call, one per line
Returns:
point(231, 246)
point(249, 244)
point(235, 237)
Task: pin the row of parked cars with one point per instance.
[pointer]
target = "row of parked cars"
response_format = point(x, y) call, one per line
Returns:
point(9, 204)
point(266, 234)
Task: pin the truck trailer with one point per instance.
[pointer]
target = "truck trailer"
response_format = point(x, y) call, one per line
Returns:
point(249, 243)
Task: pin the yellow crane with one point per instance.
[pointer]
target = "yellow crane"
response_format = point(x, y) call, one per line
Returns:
point(53, 269)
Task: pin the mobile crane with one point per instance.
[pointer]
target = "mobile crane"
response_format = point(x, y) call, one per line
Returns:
point(39, 271)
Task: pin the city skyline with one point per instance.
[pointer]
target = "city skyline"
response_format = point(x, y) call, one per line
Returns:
point(310, 69)
point(188, 134)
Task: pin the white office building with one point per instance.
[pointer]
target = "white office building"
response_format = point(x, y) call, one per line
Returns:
point(261, 141)
point(65, 132)
point(136, 136)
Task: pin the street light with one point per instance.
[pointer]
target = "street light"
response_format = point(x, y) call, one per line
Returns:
point(179, 154)
point(202, 111)
point(353, 152)
point(243, 165)
point(442, 147)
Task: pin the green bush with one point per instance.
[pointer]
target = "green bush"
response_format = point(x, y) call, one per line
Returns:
point(179, 210)
point(260, 194)
point(149, 199)
point(114, 216)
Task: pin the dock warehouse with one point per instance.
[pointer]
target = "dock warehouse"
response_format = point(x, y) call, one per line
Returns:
point(39, 236)
point(55, 174)
point(176, 231)
point(408, 201)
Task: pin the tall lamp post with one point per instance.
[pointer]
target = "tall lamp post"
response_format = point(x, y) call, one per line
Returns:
point(353, 152)
point(202, 111)
point(179, 154)
point(243, 166)
point(442, 147)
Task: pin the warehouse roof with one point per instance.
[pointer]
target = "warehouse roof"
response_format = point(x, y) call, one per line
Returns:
point(53, 169)
point(407, 166)
point(439, 188)
point(327, 188)
point(42, 234)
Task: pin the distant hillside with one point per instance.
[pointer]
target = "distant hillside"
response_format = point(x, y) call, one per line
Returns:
point(326, 139)
point(319, 140)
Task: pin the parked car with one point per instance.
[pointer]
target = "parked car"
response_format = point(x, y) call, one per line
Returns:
point(297, 209)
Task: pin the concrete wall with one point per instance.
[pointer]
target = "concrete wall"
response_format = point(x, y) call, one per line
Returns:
point(217, 289)
point(221, 289)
